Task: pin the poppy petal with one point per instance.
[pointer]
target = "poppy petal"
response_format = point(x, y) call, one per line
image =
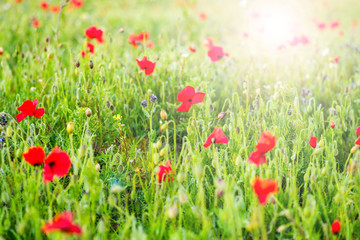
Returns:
point(186, 94)
point(48, 175)
point(184, 107)
point(35, 156)
point(21, 116)
point(39, 112)
point(198, 97)
point(208, 141)
point(257, 158)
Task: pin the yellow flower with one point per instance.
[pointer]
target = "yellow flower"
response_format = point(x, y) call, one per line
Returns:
point(117, 117)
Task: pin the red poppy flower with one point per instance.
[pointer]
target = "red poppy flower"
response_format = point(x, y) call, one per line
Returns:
point(217, 136)
point(44, 5)
point(332, 123)
point(90, 47)
point(313, 141)
point(83, 53)
point(94, 32)
point(357, 142)
point(266, 142)
point(57, 163)
point(18, 1)
point(77, 3)
point(150, 44)
point(164, 170)
point(146, 65)
point(64, 223)
point(136, 38)
point(281, 47)
point(358, 131)
point(55, 8)
point(304, 40)
point(263, 188)
point(216, 53)
point(336, 227)
point(202, 16)
point(188, 97)
point(28, 108)
point(35, 22)
point(192, 49)
point(334, 24)
point(336, 59)
point(321, 25)
point(257, 158)
point(35, 156)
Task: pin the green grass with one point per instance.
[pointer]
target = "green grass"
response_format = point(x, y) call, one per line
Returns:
point(259, 88)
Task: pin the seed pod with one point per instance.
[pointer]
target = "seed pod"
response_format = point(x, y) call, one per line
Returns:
point(77, 64)
point(91, 64)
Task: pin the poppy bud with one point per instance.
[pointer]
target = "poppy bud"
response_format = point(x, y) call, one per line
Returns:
point(173, 211)
point(163, 127)
point(197, 171)
point(221, 115)
point(45, 49)
point(162, 152)
point(182, 196)
point(332, 124)
point(351, 168)
point(77, 64)
point(47, 39)
point(9, 131)
point(112, 107)
point(155, 158)
point(1, 51)
point(97, 167)
point(70, 127)
point(323, 171)
point(281, 228)
point(91, 64)
point(212, 107)
point(354, 149)
point(158, 144)
point(81, 151)
point(88, 112)
point(180, 177)
point(163, 114)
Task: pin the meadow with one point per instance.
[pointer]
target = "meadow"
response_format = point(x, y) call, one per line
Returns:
point(179, 119)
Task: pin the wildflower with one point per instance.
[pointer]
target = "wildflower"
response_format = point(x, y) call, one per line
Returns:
point(90, 47)
point(192, 48)
point(146, 65)
point(144, 103)
point(336, 59)
point(221, 115)
point(64, 223)
point(153, 98)
point(216, 53)
point(3, 120)
point(44, 5)
point(202, 16)
point(266, 143)
point(312, 141)
point(321, 25)
point(357, 131)
point(150, 44)
point(77, 3)
point(188, 97)
point(55, 8)
point(217, 136)
point(35, 22)
point(263, 188)
point(57, 163)
point(164, 170)
point(117, 117)
point(83, 53)
point(94, 32)
point(332, 123)
point(336, 227)
point(28, 108)
point(334, 24)
point(136, 38)
point(35, 156)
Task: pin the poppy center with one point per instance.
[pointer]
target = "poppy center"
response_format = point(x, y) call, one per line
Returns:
point(190, 100)
point(51, 164)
